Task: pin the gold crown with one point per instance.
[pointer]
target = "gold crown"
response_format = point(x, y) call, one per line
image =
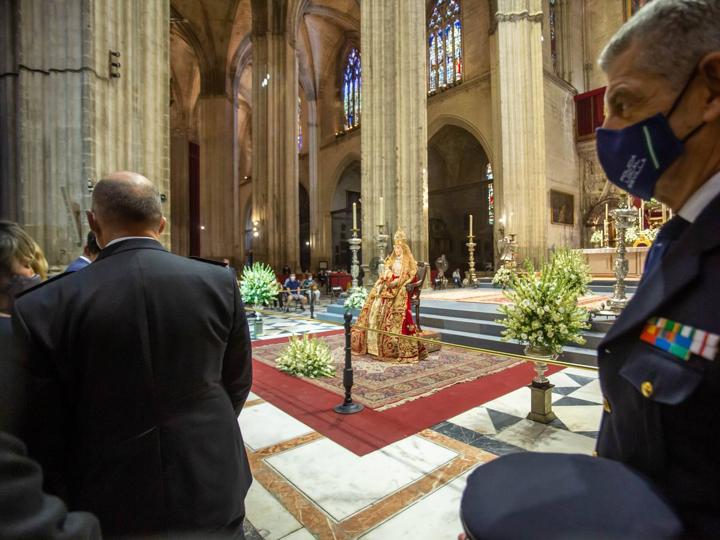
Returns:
point(400, 237)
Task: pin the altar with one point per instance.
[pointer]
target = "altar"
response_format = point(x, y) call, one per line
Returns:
point(602, 261)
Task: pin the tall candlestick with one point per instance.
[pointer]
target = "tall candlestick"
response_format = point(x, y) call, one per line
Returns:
point(471, 230)
point(606, 212)
point(354, 216)
point(382, 211)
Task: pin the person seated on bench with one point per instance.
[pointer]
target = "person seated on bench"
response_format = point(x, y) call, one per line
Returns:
point(292, 290)
point(310, 288)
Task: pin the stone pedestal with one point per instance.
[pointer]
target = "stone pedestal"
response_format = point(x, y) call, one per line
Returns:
point(541, 403)
point(394, 121)
point(429, 334)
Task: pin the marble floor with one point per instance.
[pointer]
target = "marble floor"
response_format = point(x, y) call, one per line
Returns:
point(284, 325)
point(307, 486)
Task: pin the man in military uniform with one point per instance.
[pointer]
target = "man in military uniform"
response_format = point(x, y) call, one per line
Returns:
point(659, 364)
point(139, 366)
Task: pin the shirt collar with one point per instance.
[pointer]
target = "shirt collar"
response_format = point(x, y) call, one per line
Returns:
point(84, 258)
point(697, 202)
point(123, 238)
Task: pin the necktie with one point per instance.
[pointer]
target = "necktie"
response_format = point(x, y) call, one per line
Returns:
point(670, 232)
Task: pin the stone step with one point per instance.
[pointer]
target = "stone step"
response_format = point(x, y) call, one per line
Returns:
point(493, 328)
point(575, 355)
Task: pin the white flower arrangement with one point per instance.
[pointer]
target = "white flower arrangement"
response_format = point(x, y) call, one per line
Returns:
point(651, 234)
point(571, 269)
point(357, 298)
point(544, 312)
point(258, 285)
point(504, 277)
point(308, 357)
point(597, 237)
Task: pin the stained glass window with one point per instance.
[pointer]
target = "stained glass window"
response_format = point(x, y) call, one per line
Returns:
point(552, 23)
point(490, 195)
point(299, 124)
point(445, 66)
point(352, 83)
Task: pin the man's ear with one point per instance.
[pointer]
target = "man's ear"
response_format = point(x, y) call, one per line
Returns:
point(163, 222)
point(710, 72)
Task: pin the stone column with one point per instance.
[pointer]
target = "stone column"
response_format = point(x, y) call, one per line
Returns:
point(519, 125)
point(394, 122)
point(217, 176)
point(318, 231)
point(275, 161)
point(69, 121)
point(180, 190)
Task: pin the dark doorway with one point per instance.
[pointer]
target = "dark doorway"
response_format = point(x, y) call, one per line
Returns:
point(346, 193)
point(459, 184)
point(194, 196)
point(304, 200)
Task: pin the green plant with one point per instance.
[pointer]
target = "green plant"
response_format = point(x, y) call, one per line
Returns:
point(570, 268)
point(258, 285)
point(308, 357)
point(357, 298)
point(504, 277)
point(544, 311)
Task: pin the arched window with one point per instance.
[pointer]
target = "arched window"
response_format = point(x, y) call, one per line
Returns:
point(490, 195)
point(299, 124)
point(553, 20)
point(444, 45)
point(351, 90)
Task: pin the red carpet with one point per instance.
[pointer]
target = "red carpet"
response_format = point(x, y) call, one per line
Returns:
point(369, 430)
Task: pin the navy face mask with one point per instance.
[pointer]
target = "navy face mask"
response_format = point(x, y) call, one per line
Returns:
point(634, 158)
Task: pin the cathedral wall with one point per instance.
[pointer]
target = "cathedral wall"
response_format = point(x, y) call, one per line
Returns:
point(76, 123)
point(561, 160)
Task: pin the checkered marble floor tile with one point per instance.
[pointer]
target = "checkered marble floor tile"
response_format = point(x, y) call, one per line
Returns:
point(291, 324)
point(500, 426)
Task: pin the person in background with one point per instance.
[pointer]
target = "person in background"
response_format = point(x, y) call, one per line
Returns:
point(310, 288)
point(292, 290)
point(457, 278)
point(90, 253)
point(138, 367)
point(25, 510)
point(39, 263)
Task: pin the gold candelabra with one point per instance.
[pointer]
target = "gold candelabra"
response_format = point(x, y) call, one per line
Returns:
point(472, 278)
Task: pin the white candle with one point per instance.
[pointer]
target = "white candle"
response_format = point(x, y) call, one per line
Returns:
point(354, 216)
point(470, 224)
point(606, 211)
point(382, 211)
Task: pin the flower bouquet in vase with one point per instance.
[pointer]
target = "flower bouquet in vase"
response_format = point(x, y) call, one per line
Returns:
point(258, 287)
point(544, 314)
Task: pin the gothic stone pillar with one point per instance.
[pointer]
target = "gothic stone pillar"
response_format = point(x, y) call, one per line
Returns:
point(518, 108)
point(394, 122)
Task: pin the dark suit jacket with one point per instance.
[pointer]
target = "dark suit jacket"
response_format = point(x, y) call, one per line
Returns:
point(672, 434)
point(140, 365)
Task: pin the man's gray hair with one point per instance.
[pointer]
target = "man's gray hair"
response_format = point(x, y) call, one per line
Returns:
point(672, 35)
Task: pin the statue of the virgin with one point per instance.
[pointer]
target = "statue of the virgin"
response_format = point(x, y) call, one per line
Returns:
point(387, 308)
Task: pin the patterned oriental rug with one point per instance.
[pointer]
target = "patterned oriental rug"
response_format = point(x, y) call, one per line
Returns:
point(381, 385)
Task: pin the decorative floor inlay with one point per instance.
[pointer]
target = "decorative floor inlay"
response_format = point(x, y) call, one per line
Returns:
point(310, 487)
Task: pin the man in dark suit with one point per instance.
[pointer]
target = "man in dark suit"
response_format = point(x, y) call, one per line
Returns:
point(90, 253)
point(139, 367)
point(659, 363)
